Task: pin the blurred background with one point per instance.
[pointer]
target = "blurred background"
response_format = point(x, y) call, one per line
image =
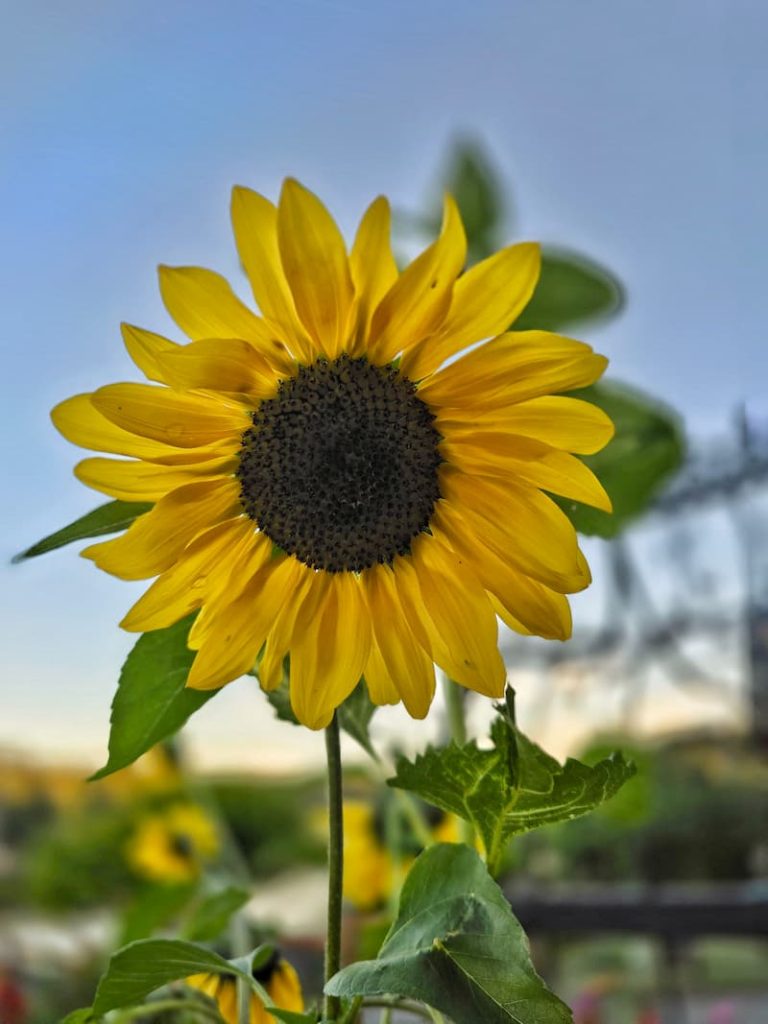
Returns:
point(629, 139)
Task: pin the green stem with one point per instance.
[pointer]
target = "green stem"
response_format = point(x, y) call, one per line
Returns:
point(335, 863)
point(160, 1005)
point(454, 706)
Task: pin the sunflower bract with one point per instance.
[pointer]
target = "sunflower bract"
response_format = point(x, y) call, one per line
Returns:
point(332, 479)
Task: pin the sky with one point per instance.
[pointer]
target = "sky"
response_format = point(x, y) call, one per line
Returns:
point(634, 132)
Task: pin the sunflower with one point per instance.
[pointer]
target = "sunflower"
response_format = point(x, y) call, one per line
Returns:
point(172, 845)
point(279, 979)
point(329, 481)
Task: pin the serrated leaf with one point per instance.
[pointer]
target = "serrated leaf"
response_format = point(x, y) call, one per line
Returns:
point(457, 946)
point(647, 449)
point(355, 716)
point(152, 702)
point(511, 788)
point(109, 518)
point(141, 967)
point(571, 290)
point(211, 916)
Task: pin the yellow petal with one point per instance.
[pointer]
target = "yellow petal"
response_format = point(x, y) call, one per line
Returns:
point(419, 299)
point(146, 481)
point(183, 420)
point(144, 347)
point(184, 587)
point(301, 608)
point(459, 619)
point(329, 655)
point(521, 525)
point(78, 420)
point(236, 630)
point(570, 424)
point(485, 302)
point(373, 266)
point(522, 459)
point(514, 367)
point(254, 220)
point(153, 542)
point(314, 259)
point(381, 688)
point(522, 600)
point(227, 364)
point(408, 665)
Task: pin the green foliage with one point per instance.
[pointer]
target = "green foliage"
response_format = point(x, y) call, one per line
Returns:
point(571, 290)
point(647, 449)
point(153, 907)
point(355, 716)
point(83, 1016)
point(474, 184)
point(513, 787)
point(457, 946)
point(268, 821)
point(152, 702)
point(78, 861)
point(109, 518)
point(211, 915)
point(140, 968)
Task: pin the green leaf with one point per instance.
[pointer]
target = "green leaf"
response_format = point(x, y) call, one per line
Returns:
point(511, 788)
point(151, 702)
point(280, 699)
point(647, 449)
point(154, 907)
point(290, 1017)
point(84, 1016)
point(457, 946)
point(211, 916)
point(571, 289)
point(109, 518)
point(474, 184)
point(355, 716)
point(141, 967)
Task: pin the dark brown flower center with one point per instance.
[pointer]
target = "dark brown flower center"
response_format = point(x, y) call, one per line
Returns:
point(340, 467)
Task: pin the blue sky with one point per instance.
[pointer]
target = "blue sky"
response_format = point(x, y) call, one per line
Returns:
point(633, 131)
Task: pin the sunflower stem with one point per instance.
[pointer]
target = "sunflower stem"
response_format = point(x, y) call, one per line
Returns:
point(457, 723)
point(335, 863)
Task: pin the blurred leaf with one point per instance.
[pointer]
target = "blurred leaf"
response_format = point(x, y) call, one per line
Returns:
point(647, 449)
point(141, 967)
point(473, 183)
point(293, 1018)
point(211, 916)
point(457, 946)
point(109, 518)
point(152, 908)
point(513, 787)
point(152, 702)
point(571, 290)
point(355, 716)
point(280, 699)
point(84, 1016)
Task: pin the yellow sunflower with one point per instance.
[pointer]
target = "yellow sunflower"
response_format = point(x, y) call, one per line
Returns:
point(172, 845)
point(328, 481)
point(277, 976)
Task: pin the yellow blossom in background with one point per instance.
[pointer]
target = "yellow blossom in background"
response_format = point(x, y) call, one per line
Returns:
point(329, 481)
point(172, 845)
point(278, 977)
point(368, 869)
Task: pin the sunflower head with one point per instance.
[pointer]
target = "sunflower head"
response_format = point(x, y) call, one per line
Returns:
point(333, 479)
point(277, 976)
point(172, 845)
